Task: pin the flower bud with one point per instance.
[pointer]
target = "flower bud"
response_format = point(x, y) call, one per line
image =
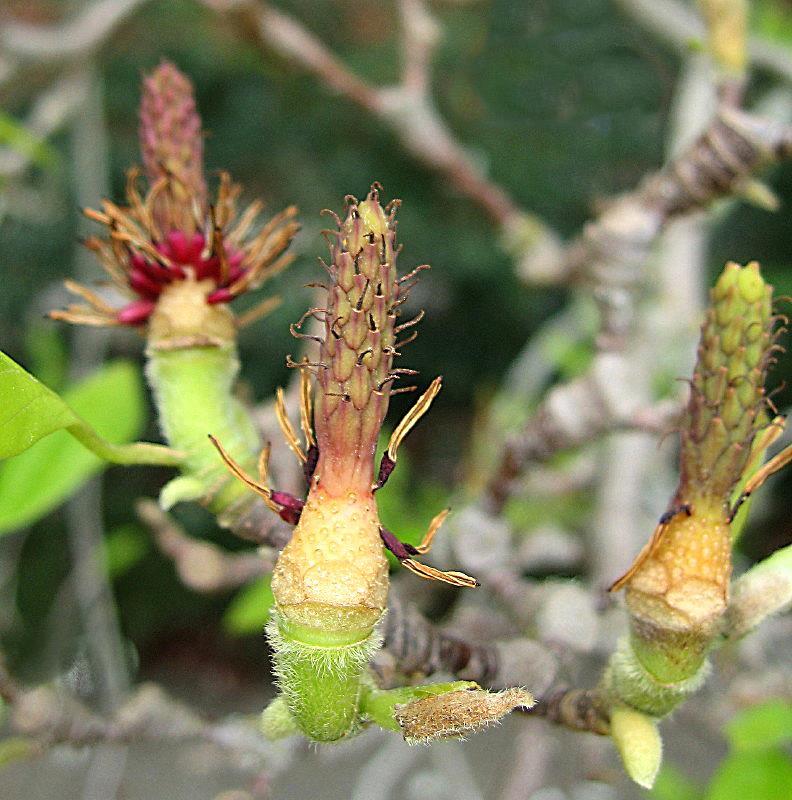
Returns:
point(180, 261)
point(171, 142)
point(678, 587)
point(330, 582)
point(456, 714)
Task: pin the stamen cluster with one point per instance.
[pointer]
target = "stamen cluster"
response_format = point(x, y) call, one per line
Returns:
point(172, 234)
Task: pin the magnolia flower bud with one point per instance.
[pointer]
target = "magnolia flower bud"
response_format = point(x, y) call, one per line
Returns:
point(678, 587)
point(180, 261)
point(456, 714)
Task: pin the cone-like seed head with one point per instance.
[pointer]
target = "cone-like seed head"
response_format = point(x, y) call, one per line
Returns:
point(171, 142)
point(727, 399)
point(677, 589)
point(358, 345)
point(171, 241)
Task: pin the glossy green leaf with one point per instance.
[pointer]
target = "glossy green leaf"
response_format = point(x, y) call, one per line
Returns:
point(249, 611)
point(755, 775)
point(40, 478)
point(29, 411)
point(762, 726)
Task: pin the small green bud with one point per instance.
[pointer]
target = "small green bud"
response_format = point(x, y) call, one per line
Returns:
point(455, 714)
point(639, 744)
point(277, 721)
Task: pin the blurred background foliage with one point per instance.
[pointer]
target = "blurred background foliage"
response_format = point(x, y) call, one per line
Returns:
point(565, 102)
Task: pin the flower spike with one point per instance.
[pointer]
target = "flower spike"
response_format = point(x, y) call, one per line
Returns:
point(330, 582)
point(174, 234)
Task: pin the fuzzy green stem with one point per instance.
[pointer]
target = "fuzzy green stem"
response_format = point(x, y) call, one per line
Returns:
point(193, 392)
point(763, 590)
point(628, 681)
point(321, 679)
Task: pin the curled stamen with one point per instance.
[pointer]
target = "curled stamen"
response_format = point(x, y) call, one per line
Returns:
point(414, 321)
point(286, 427)
point(263, 491)
point(306, 409)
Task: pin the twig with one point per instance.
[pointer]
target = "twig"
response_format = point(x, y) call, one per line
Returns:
point(51, 716)
point(579, 709)
point(52, 109)
point(407, 108)
point(201, 566)
point(75, 39)
point(414, 647)
point(680, 26)
point(573, 414)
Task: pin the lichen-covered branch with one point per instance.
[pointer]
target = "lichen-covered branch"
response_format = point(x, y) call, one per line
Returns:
point(576, 413)
point(49, 716)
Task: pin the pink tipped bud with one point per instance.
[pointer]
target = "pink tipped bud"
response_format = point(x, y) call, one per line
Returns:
point(171, 141)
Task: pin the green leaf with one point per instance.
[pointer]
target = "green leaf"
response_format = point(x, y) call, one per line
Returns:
point(19, 138)
point(762, 726)
point(38, 480)
point(755, 775)
point(29, 411)
point(249, 611)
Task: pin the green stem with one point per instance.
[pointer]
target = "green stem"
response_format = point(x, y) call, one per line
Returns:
point(129, 454)
point(193, 392)
point(763, 590)
point(322, 682)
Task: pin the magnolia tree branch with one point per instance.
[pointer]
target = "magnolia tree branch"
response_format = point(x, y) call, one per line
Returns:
point(610, 253)
point(610, 257)
point(202, 566)
point(49, 716)
point(408, 108)
point(574, 414)
point(74, 39)
point(682, 27)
